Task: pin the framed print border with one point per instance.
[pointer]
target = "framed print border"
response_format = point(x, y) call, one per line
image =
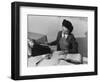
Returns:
point(15, 39)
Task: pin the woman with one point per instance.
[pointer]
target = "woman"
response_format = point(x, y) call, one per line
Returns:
point(65, 39)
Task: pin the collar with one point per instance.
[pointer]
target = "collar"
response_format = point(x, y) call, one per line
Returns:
point(64, 35)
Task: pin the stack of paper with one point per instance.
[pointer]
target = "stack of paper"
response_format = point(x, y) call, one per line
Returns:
point(74, 58)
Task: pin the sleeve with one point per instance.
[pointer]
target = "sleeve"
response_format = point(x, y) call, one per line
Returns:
point(73, 45)
point(57, 39)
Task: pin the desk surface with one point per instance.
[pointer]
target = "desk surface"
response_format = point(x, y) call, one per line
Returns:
point(48, 62)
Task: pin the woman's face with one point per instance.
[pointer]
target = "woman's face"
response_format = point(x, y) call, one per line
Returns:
point(65, 30)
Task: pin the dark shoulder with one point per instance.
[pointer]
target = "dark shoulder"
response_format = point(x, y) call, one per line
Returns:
point(60, 32)
point(59, 35)
point(71, 36)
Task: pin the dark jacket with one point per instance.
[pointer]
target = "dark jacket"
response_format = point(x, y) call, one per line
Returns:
point(73, 45)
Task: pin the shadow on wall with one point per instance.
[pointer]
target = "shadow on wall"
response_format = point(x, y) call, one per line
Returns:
point(83, 46)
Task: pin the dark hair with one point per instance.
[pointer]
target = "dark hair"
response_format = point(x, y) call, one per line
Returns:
point(68, 25)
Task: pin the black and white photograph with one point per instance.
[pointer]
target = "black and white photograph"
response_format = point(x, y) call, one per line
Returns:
point(57, 40)
point(53, 40)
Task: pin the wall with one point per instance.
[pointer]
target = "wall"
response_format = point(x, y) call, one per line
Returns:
point(50, 25)
point(47, 25)
point(5, 41)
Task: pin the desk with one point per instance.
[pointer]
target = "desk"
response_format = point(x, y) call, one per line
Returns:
point(54, 61)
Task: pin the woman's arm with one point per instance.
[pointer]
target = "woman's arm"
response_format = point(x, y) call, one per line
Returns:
point(57, 39)
point(53, 43)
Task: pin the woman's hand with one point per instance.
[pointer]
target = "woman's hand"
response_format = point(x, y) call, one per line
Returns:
point(65, 51)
